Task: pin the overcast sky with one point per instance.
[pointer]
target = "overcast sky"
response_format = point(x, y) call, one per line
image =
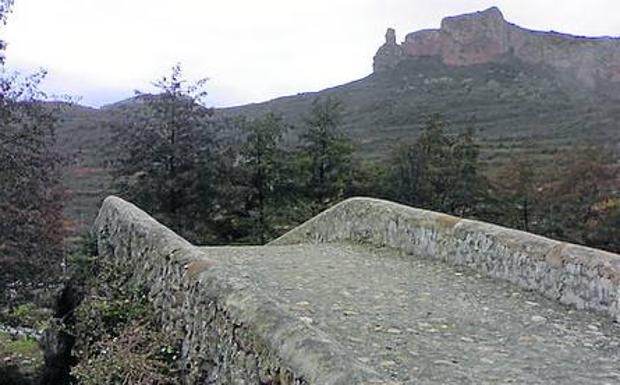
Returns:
point(102, 50)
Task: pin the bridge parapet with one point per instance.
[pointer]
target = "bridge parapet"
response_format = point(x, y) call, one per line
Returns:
point(571, 274)
point(231, 332)
point(236, 329)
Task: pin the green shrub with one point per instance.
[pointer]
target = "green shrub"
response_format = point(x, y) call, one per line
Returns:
point(118, 340)
point(26, 315)
point(19, 357)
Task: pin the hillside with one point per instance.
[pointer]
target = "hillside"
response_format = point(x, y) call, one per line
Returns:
point(83, 137)
point(510, 103)
point(517, 101)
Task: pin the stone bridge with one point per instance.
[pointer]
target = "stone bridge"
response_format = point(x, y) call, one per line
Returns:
point(372, 292)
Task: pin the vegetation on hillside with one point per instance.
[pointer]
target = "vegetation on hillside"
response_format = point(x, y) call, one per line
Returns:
point(439, 171)
point(325, 155)
point(258, 186)
point(31, 198)
point(166, 156)
point(261, 178)
point(31, 222)
point(517, 109)
point(117, 337)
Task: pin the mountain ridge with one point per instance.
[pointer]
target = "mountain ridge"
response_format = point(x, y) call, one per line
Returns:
point(485, 36)
point(516, 107)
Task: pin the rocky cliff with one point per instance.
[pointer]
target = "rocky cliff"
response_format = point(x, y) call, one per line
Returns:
point(485, 37)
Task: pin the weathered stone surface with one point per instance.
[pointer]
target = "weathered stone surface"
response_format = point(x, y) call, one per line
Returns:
point(389, 54)
point(485, 36)
point(572, 274)
point(232, 333)
point(419, 321)
point(362, 294)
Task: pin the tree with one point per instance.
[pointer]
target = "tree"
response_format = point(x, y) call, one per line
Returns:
point(583, 180)
point(603, 231)
point(368, 178)
point(31, 229)
point(469, 190)
point(438, 171)
point(574, 198)
point(167, 159)
point(520, 191)
point(325, 154)
point(261, 165)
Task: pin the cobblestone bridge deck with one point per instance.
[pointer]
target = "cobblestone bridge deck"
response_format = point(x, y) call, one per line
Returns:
point(420, 321)
point(374, 293)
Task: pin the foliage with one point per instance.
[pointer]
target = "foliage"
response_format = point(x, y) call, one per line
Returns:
point(260, 172)
point(25, 315)
point(515, 105)
point(20, 359)
point(137, 355)
point(248, 186)
point(117, 337)
point(439, 171)
point(83, 251)
point(166, 160)
point(603, 232)
point(31, 197)
point(325, 157)
point(519, 187)
point(573, 199)
point(21, 345)
point(368, 178)
point(583, 182)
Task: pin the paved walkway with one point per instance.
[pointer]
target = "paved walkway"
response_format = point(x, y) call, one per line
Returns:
point(420, 321)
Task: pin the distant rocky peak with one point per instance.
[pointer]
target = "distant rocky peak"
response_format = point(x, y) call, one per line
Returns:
point(485, 36)
point(389, 54)
point(492, 16)
point(390, 36)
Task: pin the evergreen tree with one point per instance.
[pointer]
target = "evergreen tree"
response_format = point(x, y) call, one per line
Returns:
point(368, 178)
point(167, 160)
point(325, 155)
point(469, 190)
point(439, 171)
point(261, 166)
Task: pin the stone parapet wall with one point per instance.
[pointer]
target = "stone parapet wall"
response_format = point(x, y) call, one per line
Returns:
point(574, 275)
point(231, 333)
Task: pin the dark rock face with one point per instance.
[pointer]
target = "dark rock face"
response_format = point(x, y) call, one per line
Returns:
point(389, 54)
point(484, 37)
point(56, 341)
point(58, 360)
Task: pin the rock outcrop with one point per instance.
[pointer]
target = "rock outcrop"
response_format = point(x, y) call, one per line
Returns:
point(389, 54)
point(484, 37)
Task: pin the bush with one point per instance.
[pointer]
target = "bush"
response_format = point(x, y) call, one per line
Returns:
point(118, 340)
point(26, 315)
point(20, 359)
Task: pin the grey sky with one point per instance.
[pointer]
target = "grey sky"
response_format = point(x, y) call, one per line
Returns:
point(251, 50)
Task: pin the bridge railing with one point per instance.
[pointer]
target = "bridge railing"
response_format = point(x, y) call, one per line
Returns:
point(231, 333)
point(571, 274)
